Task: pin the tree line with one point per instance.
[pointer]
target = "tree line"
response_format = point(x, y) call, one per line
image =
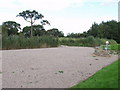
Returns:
point(108, 30)
point(12, 28)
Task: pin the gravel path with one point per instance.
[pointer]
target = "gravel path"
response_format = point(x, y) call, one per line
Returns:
point(60, 67)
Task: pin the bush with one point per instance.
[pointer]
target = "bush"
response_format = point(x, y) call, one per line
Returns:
point(88, 41)
point(115, 47)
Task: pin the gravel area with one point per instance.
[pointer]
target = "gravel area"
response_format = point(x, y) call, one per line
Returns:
point(60, 67)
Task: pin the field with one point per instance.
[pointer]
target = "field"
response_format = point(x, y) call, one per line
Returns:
point(104, 78)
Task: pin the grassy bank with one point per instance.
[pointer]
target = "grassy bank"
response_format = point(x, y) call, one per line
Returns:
point(88, 41)
point(112, 47)
point(104, 78)
point(17, 42)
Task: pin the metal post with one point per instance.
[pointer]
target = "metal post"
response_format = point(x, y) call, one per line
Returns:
point(107, 45)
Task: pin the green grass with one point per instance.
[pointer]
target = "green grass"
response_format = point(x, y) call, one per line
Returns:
point(112, 47)
point(115, 47)
point(104, 78)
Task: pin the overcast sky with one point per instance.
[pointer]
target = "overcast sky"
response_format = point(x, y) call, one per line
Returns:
point(66, 15)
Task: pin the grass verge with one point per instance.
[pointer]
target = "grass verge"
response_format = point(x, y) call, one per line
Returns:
point(112, 47)
point(104, 78)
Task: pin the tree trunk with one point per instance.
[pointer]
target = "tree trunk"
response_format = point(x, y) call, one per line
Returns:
point(31, 28)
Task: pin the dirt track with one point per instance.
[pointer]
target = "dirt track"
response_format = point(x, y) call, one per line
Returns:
point(50, 67)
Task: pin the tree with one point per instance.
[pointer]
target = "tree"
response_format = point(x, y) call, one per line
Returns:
point(107, 30)
point(10, 28)
point(118, 38)
point(55, 32)
point(93, 30)
point(0, 29)
point(31, 17)
point(38, 30)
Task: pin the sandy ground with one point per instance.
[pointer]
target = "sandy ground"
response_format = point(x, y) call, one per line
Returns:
point(60, 67)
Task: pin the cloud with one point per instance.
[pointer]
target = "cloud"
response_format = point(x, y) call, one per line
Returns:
point(39, 4)
point(100, 1)
point(47, 4)
point(65, 23)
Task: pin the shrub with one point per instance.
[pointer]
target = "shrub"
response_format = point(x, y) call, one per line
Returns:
point(17, 42)
point(115, 47)
point(88, 41)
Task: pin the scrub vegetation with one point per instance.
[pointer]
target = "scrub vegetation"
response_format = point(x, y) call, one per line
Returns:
point(35, 36)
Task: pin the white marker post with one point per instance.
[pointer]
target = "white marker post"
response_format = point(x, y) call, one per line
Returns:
point(107, 45)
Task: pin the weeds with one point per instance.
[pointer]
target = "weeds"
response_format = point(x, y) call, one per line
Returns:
point(88, 41)
point(17, 42)
point(61, 71)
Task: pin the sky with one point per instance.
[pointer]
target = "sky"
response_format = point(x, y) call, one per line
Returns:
point(69, 16)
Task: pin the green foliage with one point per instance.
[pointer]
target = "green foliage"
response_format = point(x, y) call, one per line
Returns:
point(38, 30)
point(55, 32)
point(10, 28)
point(61, 71)
point(88, 41)
point(108, 30)
point(115, 47)
point(104, 78)
point(69, 41)
point(112, 47)
point(0, 29)
point(16, 42)
point(77, 35)
point(31, 16)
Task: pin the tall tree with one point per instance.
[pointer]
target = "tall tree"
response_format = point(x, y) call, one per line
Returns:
point(93, 30)
point(38, 30)
point(10, 28)
point(0, 29)
point(107, 30)
point(31, 17)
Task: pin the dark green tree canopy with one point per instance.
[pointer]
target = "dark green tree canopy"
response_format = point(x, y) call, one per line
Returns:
point(38, 30)
point(44, 22)
point(108, 30)
point(30, 16)
point(55, 32)
point(0, 29)
point(10, 28)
